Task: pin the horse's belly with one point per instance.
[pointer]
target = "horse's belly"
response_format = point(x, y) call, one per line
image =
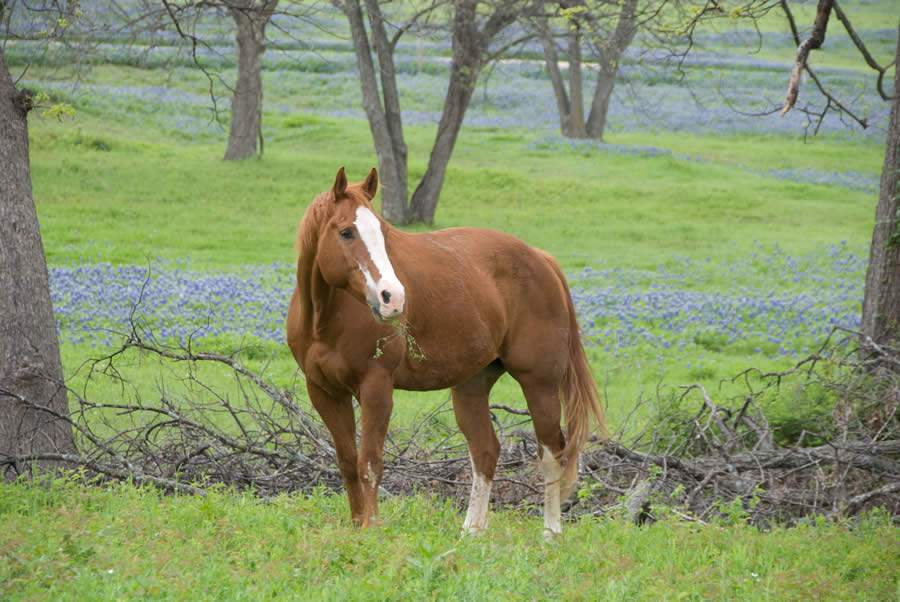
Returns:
point(421, 381)
point(441, 366)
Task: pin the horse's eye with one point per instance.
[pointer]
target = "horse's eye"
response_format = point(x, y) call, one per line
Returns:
point(347, 233)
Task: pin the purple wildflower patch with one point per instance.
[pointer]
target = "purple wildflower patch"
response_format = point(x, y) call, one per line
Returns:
point(771, 302)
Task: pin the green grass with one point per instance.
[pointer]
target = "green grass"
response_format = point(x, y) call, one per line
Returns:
point(766, 152)
point(149, 197)
point(587, 209)
point(68, 542)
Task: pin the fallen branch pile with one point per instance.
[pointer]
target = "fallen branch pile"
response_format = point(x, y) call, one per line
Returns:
point(719, 459)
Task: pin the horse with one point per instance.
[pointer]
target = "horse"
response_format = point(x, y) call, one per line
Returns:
point(377, 309)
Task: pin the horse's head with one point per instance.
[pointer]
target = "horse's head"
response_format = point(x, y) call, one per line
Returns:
point(351, 251)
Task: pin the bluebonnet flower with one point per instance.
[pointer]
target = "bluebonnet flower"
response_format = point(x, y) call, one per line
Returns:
point(770, 302)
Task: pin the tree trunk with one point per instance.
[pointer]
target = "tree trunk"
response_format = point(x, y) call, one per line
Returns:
point(30, 366)
point(881, 305)
point(396, 200)
point(245, 136)
point(391, 153)
point(470, 46)
point(611, 52)
point(468, 52)
point(576, 127)
point(551, 59)
point(596, 122)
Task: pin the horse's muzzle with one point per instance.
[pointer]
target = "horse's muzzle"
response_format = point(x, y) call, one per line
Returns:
point(383, 313)
point(387, 300)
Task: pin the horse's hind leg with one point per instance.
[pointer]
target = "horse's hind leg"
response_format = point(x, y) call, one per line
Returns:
point(470, 404)
point(542, 395)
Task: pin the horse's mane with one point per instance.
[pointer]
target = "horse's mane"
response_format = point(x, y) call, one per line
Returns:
point(308, 230)
point(306, 244)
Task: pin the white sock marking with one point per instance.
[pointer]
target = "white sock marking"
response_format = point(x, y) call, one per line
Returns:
point(552, 475)
point(370, 475)
point(479, 503)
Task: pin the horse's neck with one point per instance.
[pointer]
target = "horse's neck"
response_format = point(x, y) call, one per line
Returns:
point(314, 294)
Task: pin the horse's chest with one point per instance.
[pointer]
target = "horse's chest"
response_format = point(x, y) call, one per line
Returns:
point(328, 368)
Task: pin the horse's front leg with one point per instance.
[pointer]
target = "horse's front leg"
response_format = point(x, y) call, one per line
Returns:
point(376, 400)
point(337, 414)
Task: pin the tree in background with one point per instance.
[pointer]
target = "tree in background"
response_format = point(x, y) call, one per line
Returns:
point(250, 20)
point(30, 366)
point(476, 29)
point(881, 304)
point(608, 27)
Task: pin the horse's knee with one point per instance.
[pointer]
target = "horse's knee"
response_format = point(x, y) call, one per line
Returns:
point(347, 467)
point(485, 456)
point(551, 437)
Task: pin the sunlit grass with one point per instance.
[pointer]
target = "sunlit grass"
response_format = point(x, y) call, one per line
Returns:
point(67, 542)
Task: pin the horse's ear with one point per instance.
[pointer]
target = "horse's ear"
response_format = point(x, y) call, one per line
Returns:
point(370, 186)
point(340, 184)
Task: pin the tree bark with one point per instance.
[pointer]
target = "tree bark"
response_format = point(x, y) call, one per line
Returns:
point(30, 366)
point(610, 56)
point(576, 127)
point(881, 304)
point(459, 93)
point(609, 49)
point(469, 47)
point(397, 198)
point(551, 59)
point(245, 136)
point(596, 121)
point(385, 124)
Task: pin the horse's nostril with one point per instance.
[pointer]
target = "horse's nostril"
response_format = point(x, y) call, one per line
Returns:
point(386, 296)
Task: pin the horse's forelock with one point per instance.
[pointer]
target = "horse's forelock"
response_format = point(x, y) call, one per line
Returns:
point(318, 213)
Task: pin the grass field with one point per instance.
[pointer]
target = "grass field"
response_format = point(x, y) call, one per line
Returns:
point(698, 243)
point(709, 200)
point(68, 542)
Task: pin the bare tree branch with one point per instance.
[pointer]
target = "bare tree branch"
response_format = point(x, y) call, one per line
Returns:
point(814, 41)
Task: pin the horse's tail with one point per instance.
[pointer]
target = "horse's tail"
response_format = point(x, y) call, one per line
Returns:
point(579, 396)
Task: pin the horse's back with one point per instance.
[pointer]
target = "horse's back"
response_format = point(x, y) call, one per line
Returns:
point(524, 275)
point(526, 285)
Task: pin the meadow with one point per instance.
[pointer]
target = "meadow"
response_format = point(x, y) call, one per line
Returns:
point(69, 542)
point(698, 242)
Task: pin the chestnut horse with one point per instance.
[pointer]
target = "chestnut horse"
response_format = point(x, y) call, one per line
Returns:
point(377, 309)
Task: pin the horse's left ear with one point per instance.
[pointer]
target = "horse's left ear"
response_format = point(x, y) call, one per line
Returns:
point(340, 185)
point(370, 186)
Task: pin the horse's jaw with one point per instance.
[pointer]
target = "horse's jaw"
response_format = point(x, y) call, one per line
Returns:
point(393, 318)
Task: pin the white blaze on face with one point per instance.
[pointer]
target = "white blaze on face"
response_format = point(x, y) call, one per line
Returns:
point(552, 475)
point(387, 294)
point(479, 503)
